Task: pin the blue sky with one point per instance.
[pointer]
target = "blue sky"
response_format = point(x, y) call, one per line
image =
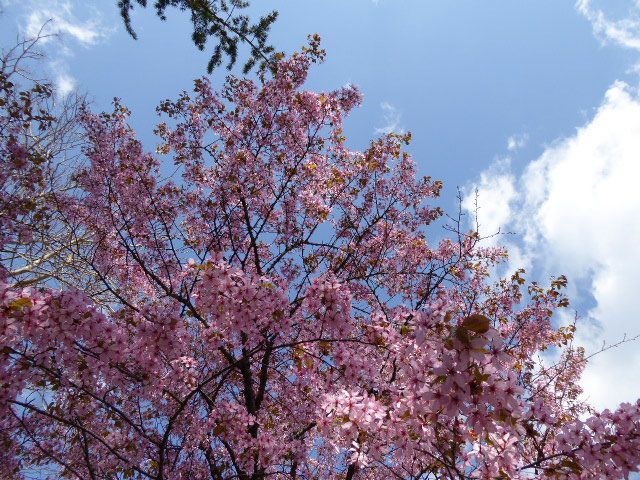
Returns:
point(534, 104)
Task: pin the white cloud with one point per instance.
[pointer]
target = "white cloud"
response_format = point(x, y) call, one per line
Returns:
point(517, 141)
point(62, 20)
point(391, 118)
point(65, 84)
point(623, 30)
point(491, 204)
point(63, 26)
point(495, 192)
point(577, 211)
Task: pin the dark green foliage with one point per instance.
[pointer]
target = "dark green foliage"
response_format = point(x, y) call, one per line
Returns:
point(217, 19)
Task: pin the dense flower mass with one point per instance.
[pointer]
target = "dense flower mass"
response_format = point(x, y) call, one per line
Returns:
point(276, 309)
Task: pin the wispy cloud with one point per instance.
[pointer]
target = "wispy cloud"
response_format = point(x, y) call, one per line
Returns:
point(391, 117)
point(623, 31)
point(517, 141)
point(577, 212)
point(62, 20)
point(65, 26)
point(65, 83)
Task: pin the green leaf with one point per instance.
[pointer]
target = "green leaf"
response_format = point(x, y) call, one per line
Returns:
point(477, 323)
point(21, 303)
point(571, 464)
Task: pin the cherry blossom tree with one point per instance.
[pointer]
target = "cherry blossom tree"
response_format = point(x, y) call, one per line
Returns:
point(278, 309)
